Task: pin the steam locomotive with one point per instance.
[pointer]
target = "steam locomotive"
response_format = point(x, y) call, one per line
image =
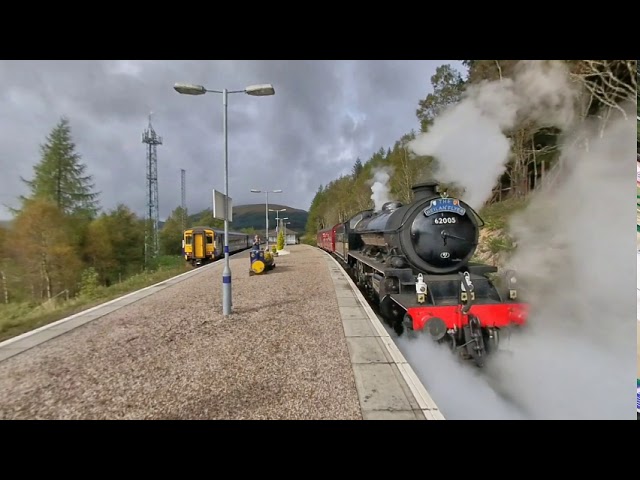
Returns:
point(413, 261)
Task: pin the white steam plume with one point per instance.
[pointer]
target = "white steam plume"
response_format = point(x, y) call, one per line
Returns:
point(577, 356)
point(468, 140)
point(380, 187)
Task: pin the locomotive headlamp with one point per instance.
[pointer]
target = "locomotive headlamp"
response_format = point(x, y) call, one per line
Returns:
point(511, 284)
point(421, 289)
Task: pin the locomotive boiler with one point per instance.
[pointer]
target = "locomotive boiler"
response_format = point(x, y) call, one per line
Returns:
point(434, 234)
point(414, 261)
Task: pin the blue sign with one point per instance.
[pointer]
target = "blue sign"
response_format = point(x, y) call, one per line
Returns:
point(638, 396)
point(440, 205)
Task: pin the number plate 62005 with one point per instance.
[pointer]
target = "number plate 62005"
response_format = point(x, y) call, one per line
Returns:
point(444, 220)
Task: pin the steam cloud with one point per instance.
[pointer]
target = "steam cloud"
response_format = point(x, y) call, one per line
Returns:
point(380, 187)
point(467, 140)
point(575, 358)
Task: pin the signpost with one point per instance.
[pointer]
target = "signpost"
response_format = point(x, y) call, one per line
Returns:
point(218, 206)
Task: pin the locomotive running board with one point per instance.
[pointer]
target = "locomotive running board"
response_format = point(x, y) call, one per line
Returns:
point(371, 262)
point(474, 268)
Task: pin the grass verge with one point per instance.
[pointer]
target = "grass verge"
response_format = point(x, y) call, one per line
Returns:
point(18, 318)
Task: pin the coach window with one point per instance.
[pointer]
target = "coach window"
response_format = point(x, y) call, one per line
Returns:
point(209, 239)
point(188, 240)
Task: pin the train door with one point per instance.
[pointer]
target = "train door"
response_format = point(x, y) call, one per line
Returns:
point(198, 245)
point(187, 245)
point(210, 244)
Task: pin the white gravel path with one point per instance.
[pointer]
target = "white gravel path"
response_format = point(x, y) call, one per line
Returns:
point(281, 355)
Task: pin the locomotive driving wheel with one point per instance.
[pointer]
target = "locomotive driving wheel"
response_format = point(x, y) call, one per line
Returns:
point(450, 342)
point(407, 324)
point(360, 275)
point(491, 340)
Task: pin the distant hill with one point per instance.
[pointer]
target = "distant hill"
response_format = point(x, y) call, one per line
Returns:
point(247, 216)
point(253, 216)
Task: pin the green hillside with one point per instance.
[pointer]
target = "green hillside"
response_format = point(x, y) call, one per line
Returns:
point(247, 216)
point(253, 216)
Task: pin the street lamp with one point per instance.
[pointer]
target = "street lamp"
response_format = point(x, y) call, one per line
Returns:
point(285, 230)
point(277, 212)
point(266, 211)
point(255, 90)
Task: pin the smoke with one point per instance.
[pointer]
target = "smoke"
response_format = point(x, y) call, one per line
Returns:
point(380, 187)
point(468, 140)
point(576, 356)
point(461, 391)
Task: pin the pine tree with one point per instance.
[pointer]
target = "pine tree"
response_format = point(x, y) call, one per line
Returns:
point(357, 168)
point(60, 176)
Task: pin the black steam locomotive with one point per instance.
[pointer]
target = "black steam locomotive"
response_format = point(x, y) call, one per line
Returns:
point(414, 262)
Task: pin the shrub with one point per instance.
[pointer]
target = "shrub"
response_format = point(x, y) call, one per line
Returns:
point(89, 283)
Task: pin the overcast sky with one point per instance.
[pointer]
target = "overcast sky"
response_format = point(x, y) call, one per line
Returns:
point(324, 115)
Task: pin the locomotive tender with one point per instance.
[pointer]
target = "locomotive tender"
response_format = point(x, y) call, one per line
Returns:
point(414, 261)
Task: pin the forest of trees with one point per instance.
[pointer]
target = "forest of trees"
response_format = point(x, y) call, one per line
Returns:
point(59, 240)
point(605, 83)
point(60, 244)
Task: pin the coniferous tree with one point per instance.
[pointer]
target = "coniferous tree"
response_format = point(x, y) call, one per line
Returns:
point(60, 175)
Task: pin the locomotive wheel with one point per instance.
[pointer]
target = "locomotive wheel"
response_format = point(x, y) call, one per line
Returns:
point(407, 323)
point(491, 339)
point(398, 328)
point(450, 342)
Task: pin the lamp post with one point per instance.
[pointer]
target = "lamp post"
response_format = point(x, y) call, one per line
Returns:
point(266, 210)
point(285, 231)
point(277, 219)
point(255, 90)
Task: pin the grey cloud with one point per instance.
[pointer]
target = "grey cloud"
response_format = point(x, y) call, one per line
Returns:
point(324, 115)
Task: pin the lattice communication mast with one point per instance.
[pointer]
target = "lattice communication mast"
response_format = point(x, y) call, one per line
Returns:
point(151, 244)
point(183, 189)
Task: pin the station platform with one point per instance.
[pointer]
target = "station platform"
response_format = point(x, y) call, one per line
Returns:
point(301, 343)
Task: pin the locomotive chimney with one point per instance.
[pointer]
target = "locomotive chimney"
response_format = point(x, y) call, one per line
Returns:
point(425, 190)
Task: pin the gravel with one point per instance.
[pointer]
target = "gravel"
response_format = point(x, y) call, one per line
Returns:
point(281, 355)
